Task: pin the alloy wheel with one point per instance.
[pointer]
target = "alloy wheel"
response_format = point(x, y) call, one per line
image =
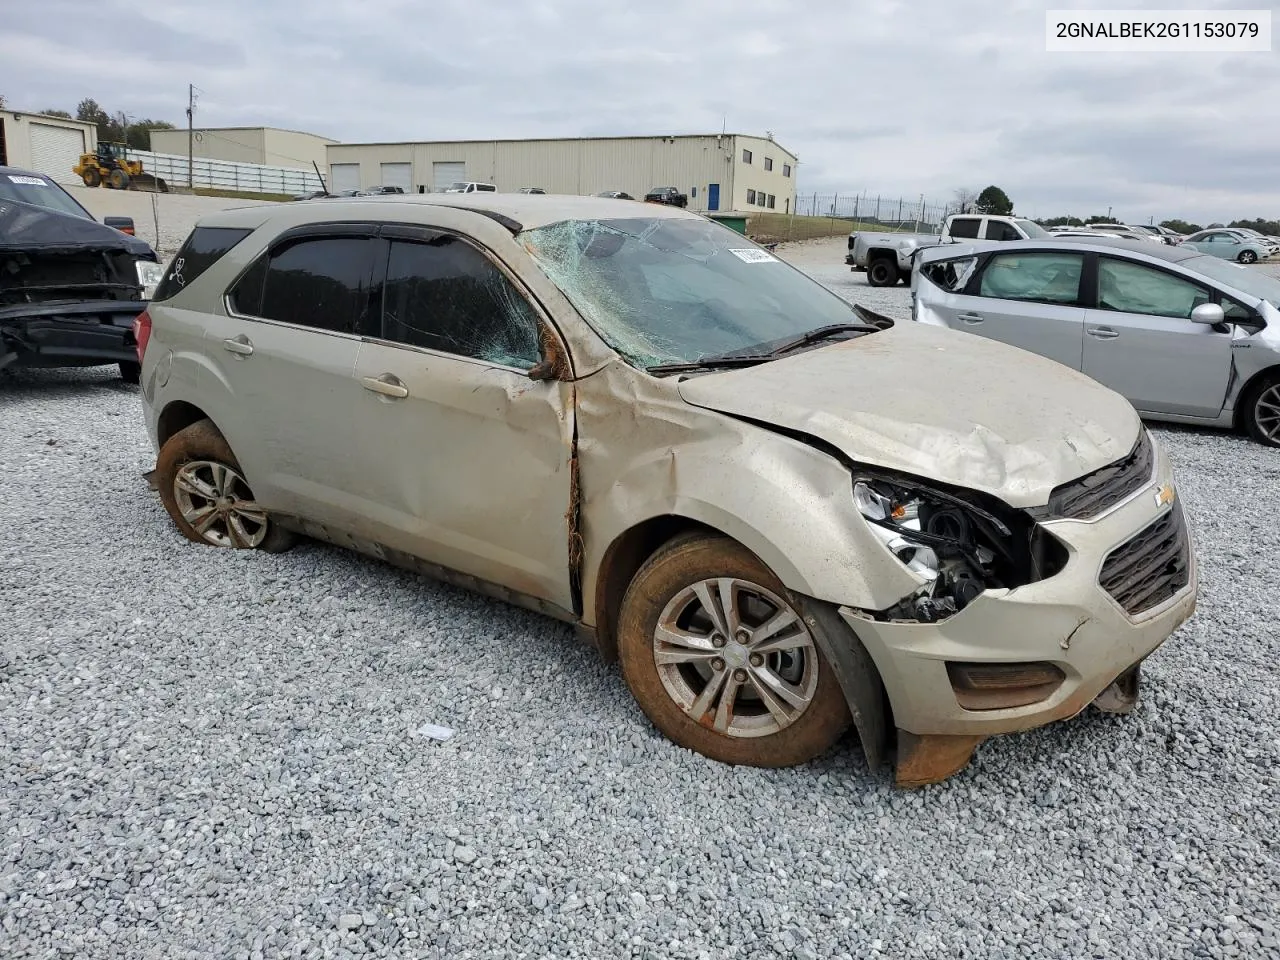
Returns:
point(1266, 413)
point(735, 657)
point(219, 505)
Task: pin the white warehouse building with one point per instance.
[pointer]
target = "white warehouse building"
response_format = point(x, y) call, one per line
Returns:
point(724, 172)
point(48, 145)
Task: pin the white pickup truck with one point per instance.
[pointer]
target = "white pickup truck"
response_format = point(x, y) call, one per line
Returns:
point(887, 256)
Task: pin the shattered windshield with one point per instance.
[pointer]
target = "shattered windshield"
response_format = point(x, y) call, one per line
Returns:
point(669, 290)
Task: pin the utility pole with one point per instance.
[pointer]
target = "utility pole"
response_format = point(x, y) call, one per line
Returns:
point(191, 133)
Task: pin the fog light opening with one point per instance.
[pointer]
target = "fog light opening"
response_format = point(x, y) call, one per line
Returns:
point(1000, 686)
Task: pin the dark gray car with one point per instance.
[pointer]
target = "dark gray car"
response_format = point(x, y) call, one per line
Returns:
point(1185, 336)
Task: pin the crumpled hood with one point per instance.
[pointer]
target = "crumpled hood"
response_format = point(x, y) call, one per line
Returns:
point(939, 404)
point(29, 228)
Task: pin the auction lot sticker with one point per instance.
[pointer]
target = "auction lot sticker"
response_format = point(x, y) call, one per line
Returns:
point(1158, 31)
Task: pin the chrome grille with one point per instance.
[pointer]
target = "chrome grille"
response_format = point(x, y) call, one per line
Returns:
point(1097, 492)
point(1151, 567)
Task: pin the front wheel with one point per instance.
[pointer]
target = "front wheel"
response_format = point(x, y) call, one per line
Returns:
point(118, 179)
point(882, 272)
point(205, 492)
point(92, 177)
point(1247, 256)
point(719, 657)
point(1262, 411)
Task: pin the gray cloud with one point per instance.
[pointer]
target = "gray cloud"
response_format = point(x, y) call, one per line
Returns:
point(884, 96)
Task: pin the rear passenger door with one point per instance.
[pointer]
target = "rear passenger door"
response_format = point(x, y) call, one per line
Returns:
point(1028, 299)
point(466, 460)
point(288, 353)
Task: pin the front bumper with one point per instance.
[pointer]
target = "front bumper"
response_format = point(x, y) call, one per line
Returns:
point(69, 334)
point(1068, 620)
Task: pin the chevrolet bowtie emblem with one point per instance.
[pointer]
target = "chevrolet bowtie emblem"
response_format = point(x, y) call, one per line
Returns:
point(1165, 494)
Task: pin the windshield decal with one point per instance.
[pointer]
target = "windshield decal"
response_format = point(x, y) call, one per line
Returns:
point(754, 256)
point(30, 181)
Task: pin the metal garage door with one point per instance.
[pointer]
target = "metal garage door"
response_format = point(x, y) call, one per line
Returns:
point(344, 176)
point(443, 174)
point(55, 150)
point(398, 175)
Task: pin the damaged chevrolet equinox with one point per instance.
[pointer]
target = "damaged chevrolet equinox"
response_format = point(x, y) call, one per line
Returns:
point(784, 515)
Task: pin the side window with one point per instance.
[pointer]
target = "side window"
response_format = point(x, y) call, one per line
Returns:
point(965, 227)
point(202, 249)
point(998, 230)
point(1041, 277)
point(950, 275)
point(1236, 312)
point(321, 282)
point(1133, 288)
point(446, 295)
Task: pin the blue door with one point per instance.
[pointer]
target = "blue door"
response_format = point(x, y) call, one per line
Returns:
point(713, 196)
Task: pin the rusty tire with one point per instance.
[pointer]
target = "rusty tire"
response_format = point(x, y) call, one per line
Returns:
point(202, 443)
point(672, 573)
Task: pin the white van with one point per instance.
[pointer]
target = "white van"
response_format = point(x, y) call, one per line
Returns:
point(466, 186)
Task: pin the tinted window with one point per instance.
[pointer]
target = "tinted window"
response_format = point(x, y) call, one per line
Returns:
point(965, 227)
point(204, 247)
point(321, 282)
point(1042, 277)
point(446, 295)
point(997, 230)
point(40, 191)
point(1133, 288)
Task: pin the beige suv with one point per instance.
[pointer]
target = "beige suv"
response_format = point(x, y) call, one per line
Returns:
point(782, 514)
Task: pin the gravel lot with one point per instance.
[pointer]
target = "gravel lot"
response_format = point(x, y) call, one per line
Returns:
point(176, 212)
point(210, 754)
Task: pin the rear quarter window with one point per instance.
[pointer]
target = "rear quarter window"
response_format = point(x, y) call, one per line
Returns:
point(205, 247)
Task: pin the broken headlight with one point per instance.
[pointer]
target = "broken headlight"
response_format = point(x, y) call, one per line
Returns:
point(149, 275)
point(957, 548)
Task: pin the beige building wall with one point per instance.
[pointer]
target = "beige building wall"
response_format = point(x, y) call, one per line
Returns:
point(265, 145)
point(633, 165)
point(755, 182)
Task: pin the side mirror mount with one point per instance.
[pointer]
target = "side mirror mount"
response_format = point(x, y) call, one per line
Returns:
point(554, 365)
point(1210, 314)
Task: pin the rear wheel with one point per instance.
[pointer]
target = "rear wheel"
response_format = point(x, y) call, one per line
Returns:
point(92, 177)
point(130, 371)
point(206, 494)
point(1247, 256)
point(1262, 411)
point(882, 272)
point(719, 657)
point(118, 179)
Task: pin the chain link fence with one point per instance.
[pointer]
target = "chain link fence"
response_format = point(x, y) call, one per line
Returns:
point(836, 214)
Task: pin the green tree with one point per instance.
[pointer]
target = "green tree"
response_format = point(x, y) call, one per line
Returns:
point(1269, 228)
point(1181, 226)
point(140, 132)
point(1100, 219)
point(57, 113)
point(993, 200)
point(1, 101)
point(1062, 222)
point(90, 111)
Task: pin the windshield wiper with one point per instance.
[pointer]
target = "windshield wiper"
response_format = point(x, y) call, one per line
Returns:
point(729, 360)
point(712, 363)
point(822, 333)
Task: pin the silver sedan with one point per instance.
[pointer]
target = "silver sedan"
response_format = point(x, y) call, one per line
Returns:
point(1184, 336)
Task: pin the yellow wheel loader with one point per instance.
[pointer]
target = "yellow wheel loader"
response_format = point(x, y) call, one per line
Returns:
point(111, 167)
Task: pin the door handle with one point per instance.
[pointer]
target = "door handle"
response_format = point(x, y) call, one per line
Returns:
point(240, 345)
point(388, 385)
point(1102, 333)
point(970, 318)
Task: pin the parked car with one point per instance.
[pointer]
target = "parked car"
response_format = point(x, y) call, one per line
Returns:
point(668, 195)
point(783, 514)
point(381, 191)
point(1159, 233)
point(1249, 234)
point(70, 287)
point(1124, 230)
point(469, 186)
point(616, 195)
point(531, 190)
point(1184, 336)
point(887, 257)
point(313, 195)
point(1057, 232)
point(1228, 245)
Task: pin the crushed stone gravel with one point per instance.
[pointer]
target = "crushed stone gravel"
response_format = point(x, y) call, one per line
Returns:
point(212, 754)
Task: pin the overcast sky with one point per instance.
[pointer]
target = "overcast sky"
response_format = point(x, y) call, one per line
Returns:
point(887, 97)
